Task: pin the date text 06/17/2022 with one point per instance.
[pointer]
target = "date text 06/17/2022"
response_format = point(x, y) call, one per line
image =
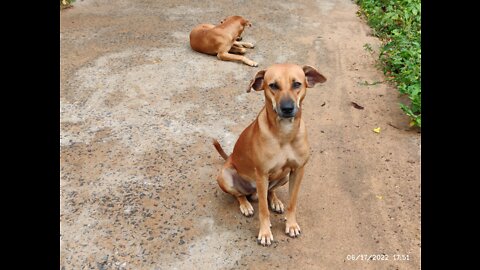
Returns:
point(377, 257)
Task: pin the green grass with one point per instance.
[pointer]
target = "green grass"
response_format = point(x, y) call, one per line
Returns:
point(398, 25)
point(66, 3)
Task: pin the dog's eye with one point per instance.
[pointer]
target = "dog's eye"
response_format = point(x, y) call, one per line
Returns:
point(273, 86)
point(296, 85)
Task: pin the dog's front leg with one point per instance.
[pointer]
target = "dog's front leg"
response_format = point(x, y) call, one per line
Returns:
point(233, 57)
point(292, 227)
point(236, 49)
point(265, 236)
point(244, 44)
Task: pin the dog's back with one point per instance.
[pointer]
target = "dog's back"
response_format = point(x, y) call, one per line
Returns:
point(202, 39)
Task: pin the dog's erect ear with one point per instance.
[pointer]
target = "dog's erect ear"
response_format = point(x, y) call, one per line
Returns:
point(257, 82)
point(246, 23)
point(313, 76)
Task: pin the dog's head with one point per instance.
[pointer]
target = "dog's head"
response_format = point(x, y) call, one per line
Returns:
point(244, 22)
point(236, 21)
point(285, 86)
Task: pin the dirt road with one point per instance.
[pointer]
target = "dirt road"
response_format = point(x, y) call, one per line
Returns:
point(139, 109)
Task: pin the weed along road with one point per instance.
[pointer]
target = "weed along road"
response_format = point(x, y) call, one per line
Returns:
point(139, 109)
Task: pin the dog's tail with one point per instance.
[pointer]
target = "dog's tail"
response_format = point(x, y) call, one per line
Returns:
point(220, 149)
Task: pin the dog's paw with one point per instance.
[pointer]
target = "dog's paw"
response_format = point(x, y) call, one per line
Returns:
point(248, 45)
point(246, 209)
point(292, 229)
point(265, 237)
point(253, 64)
point(276, 205)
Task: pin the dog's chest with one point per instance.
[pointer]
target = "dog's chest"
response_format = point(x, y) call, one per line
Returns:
point(284, 160)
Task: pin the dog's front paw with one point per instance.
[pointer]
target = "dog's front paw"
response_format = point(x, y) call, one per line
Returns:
point(246, 209)
point(265, 237)
point(248, 45)
point(292, 229)
point(252, 64)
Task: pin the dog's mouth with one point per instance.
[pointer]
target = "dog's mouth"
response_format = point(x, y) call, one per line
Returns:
point(285, 120)
point(286, 114)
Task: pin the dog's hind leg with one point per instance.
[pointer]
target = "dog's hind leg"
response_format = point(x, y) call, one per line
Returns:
point(275, 204)
point(273, 201)
point(230, 182)
point(245, 207)
point(253, 197)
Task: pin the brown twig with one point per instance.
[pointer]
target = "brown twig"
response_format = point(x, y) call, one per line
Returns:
point(390, 124)
point(67, 6)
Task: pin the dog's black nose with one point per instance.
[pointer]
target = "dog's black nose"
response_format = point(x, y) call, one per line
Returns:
point(287, 108)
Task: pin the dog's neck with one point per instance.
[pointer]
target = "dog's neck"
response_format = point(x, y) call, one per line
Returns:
point(286, 128)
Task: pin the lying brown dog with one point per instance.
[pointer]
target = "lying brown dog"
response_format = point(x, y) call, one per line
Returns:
point(222, 40)
point(272, 150)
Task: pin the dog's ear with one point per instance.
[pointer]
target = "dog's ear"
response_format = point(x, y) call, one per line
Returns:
point(313, 76)
point(246, 22)
point(257, 82)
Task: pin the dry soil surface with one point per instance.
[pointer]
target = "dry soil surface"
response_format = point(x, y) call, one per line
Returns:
point(139, 109)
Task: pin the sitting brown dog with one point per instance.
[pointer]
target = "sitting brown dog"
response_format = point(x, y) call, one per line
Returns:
point(272, 150)
point(222, 40)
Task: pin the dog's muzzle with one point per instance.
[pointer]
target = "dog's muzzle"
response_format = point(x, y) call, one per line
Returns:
point(287, 109)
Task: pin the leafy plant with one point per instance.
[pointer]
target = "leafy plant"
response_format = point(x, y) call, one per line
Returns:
point(368, 47)
point(398, 25)
point(66, 3)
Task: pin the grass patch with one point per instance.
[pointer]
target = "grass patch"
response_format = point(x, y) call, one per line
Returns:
point(66, 3)
point(398, 25)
